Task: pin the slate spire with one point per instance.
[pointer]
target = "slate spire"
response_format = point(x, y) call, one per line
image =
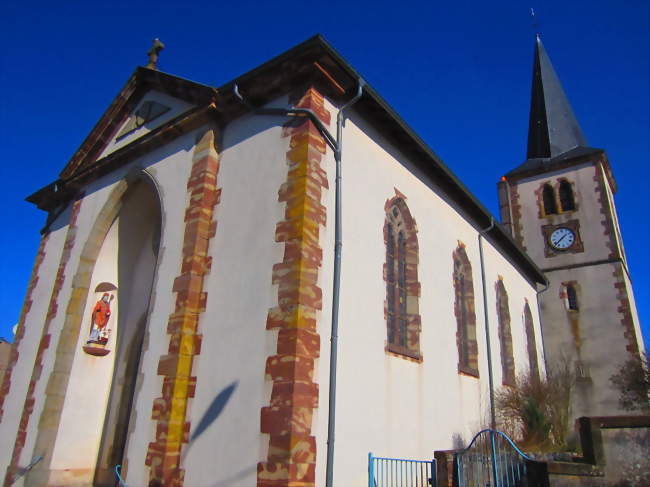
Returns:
point(553, 128)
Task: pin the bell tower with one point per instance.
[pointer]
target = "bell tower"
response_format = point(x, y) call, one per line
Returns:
point(559, 206)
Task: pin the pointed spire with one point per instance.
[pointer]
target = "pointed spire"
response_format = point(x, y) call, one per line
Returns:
point(553, 128)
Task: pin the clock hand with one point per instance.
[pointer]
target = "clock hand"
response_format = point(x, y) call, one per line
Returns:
point(562, 238)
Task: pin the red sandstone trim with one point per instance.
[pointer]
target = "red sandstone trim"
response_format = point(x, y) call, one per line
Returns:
point(624, 309)
point(44, 344)
point(465, 331)
point(20, 330)
point(531, 341)
point(609, 231)
point(517, 226)
point(412, 285)
point(608, 222)
point(505, 334)
point(287, 420)
point(170, 410)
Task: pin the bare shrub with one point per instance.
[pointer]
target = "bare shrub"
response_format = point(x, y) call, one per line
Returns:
point(535, 412)
point(633, 382)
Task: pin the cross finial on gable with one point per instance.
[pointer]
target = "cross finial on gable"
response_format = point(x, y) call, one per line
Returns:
point(153, 53)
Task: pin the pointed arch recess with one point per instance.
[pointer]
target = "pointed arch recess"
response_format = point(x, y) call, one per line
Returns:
point(465, 312)
point(401, 307)
point(179, 385)
point(505, 334)
point(58, 380)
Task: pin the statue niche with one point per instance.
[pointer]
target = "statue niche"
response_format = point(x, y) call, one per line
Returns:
point(100, 319)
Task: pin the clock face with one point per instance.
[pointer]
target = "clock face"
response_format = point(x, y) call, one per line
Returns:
point(562, 238)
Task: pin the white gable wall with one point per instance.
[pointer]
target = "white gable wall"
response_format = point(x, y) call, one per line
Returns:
point(176, 108)
point(35, 318)
point(240, 291)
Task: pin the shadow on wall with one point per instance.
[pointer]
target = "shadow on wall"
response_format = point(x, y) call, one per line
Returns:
point(212, 413)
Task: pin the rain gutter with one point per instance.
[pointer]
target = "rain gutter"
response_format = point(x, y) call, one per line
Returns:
point(337, 146)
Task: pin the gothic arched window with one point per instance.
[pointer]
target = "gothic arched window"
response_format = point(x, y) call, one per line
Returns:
point(548, 197)
point(402, 286)
point(530, 341)
point(572, 297)
point(465, 315)
point(505, 335)
point(567, 201)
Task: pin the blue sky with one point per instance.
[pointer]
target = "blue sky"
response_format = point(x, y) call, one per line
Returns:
point(458, 73)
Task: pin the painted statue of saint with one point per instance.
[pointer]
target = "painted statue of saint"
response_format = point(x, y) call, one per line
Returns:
point(99, 320)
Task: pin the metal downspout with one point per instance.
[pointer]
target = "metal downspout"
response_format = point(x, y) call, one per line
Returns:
point(337, 146)
point(336, 286)
point(541, 325)
point(481, 236)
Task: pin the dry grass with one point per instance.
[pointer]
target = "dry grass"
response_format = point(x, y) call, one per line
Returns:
point(536, 411)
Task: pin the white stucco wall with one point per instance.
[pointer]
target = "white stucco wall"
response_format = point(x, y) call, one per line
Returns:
point(386, 404)
point(35, 318)
point(240, 293)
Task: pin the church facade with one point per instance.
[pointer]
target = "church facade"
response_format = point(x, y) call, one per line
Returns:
point(180, 315)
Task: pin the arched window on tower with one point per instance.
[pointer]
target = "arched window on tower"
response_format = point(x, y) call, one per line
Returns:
point(464, 311)
point(572, 297)
point(402, 286)
point(505, 335)
point(531, 342)
point(548, 196)
point(567, 200)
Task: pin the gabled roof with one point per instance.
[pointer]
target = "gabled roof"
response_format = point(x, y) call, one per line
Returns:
point(554, 135)
point(141, 81)
point(312, 62)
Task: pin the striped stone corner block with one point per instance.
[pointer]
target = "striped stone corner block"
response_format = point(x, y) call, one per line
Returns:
point(20, 329)
point(170, 409)
point(291, 459)
point(44, 343)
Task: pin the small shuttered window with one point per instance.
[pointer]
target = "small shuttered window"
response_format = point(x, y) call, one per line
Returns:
point(572, 297)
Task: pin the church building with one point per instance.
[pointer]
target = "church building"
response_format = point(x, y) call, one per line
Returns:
point(260, 283)
point(559, 206)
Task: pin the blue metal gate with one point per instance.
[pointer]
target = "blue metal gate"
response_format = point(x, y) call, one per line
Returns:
point(399, 472)
point(491, 460)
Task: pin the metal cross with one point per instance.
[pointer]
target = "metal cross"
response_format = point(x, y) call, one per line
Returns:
point(153, 53)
